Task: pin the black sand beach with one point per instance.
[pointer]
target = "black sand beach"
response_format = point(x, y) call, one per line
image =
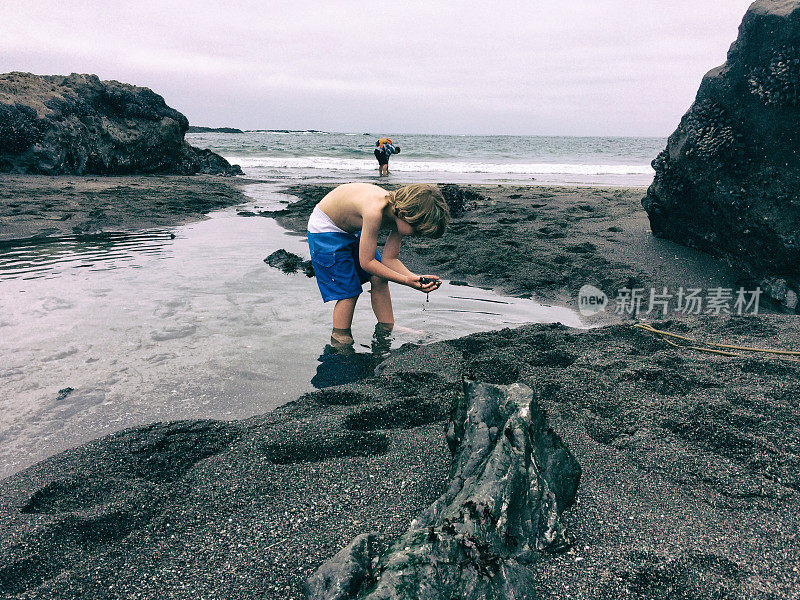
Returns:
point(690, 460)
point(37, 206)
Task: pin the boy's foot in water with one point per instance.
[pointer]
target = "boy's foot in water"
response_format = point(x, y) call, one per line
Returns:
point(382, 339)
point(342, 340)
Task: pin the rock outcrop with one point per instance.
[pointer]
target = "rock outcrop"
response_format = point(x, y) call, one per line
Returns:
point(200, 129)
point(288, 262)
point(79, 125)
point(728, 180)
point(460, 199)
point(511, 478)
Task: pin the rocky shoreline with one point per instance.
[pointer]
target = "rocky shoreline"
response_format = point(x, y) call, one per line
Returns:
point(620, 461)
point(38, 206)
point(689, 460)
point(78, 125)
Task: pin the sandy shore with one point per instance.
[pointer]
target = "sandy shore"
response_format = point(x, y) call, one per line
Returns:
point(40, 205)
point(690, 460)
point(530, 241)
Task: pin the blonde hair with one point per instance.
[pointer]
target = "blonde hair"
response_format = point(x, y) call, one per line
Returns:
point(425, 208)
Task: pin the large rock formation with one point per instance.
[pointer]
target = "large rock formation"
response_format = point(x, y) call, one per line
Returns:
point(511, 478)
point(728, 181)
point(80, 125)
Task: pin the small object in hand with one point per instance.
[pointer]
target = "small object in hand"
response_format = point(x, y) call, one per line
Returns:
point(426, 281)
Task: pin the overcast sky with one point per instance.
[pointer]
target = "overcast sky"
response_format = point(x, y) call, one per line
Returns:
point(549, 67)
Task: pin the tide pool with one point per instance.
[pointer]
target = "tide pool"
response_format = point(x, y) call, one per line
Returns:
point(100, 333)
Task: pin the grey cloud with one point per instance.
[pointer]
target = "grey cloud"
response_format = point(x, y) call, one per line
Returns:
point(601, 67)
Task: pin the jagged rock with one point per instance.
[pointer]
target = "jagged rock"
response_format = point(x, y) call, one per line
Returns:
point(728, 180)
point(200, 129)
point(79, 125)
point(460, 199)
point(346, 573)
point(779, 290)
point(511, 479)
point(289, 262)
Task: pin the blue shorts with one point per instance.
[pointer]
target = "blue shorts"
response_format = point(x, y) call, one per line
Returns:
point(336, 264)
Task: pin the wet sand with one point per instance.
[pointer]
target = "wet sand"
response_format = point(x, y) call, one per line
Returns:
point(39, 205)
point(529, 241)
point(690, 460)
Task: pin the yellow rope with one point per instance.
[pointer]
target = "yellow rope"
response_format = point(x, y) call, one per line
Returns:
point(666, 334)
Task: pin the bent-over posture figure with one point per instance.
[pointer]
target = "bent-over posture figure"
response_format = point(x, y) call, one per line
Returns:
point(384, 149)
point(343, 238)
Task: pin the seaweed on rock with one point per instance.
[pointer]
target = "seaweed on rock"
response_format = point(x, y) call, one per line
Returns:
point(288, 262)
point(778, 84)
point(709, 129)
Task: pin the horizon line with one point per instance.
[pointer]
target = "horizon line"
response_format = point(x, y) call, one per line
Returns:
point(366, 133)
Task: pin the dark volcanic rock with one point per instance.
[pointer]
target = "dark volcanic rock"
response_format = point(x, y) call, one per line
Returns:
point(728, 180)
point(460, 199)
point(289, 263)
point(199, 129)
point(79, 125)
point(511, 478)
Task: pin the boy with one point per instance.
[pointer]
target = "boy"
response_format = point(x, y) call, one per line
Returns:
point(343, 238)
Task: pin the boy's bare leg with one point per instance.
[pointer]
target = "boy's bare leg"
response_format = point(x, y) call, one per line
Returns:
point(343, 320)
point(382, 301)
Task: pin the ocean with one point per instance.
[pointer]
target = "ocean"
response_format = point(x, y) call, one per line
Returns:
point(322, 157)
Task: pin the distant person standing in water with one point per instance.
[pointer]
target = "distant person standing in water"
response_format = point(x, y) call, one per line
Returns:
point(384, 149)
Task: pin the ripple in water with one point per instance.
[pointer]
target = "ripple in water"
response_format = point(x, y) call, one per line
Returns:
point(45, 258)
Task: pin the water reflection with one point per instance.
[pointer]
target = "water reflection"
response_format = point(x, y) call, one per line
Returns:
point(46, 258)
point(342, 365)
point(340, 362)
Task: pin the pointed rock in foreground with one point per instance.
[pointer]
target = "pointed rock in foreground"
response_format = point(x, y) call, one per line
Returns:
point(511, 479)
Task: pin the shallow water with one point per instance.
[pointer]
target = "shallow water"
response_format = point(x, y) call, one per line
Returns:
point(99, 333)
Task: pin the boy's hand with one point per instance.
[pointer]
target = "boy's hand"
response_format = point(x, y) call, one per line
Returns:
point(425, 283)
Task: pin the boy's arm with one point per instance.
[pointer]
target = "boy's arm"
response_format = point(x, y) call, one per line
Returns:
point(369, 244)
point(391, 253)
point(391, 262)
